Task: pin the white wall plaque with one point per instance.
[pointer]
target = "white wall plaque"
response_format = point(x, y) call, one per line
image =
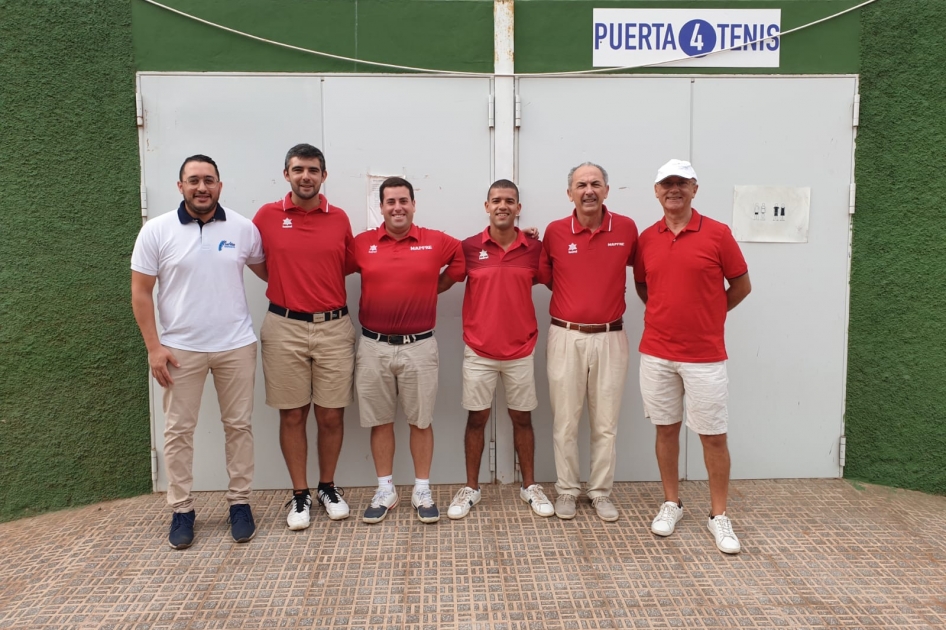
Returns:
point(770, 214)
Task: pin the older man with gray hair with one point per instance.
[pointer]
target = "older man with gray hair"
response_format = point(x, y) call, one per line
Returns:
point(689, 273)
point(584, 261)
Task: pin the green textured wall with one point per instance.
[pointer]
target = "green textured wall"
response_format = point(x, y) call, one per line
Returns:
point(896, 397)
point(73, 390)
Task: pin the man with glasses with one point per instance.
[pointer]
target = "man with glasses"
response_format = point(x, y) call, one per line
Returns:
point(307, 339)
point(196, 257)
point(683, 264)
point(585, 257)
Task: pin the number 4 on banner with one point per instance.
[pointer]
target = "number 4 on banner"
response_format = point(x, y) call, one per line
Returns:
point(696, 41)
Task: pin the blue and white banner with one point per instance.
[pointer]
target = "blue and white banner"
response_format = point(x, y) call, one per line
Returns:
point(677, 38)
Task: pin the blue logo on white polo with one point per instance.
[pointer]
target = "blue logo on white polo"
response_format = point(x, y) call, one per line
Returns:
point(225, 245)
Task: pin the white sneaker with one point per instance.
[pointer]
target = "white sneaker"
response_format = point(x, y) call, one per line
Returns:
point(465, 499)
point(298, 517)
point(382, 503)
point(667, 518)
point(331, 499)
point(721, 527)
point(535, 497)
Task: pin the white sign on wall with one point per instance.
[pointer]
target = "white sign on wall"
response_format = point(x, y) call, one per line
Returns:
point(683, 37)
point(770, 214)
point(374, 200)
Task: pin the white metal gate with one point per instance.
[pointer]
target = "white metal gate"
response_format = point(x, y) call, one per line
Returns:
point(787, 342)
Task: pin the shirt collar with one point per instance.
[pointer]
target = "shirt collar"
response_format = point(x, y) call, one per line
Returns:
point(413, 233)
point(520, 239)
point(605, 222)
point(693, 225)
point(184, 217)
point(288, 205)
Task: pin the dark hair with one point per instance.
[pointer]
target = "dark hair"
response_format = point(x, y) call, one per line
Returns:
point(503, 184)
point(396, 182)
point(306, 152)
point(198, 158)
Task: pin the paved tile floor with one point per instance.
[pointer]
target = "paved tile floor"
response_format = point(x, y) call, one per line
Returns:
point(816, 554)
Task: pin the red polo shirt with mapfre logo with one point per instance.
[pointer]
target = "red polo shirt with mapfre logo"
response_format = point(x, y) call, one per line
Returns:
point(498, 314)
point(686, 297)
point(588, 269)
point(305, 254)
point(399, 277)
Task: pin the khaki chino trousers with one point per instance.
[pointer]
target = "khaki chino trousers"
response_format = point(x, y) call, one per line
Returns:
point(234, 375)
point(593, 366)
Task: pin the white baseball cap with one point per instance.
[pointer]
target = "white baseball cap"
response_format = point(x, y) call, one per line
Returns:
point(680, 168)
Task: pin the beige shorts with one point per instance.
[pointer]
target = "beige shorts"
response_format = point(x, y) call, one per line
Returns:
point(704, 387)
point(386, 374)
point(305, 362)
point(479, 381)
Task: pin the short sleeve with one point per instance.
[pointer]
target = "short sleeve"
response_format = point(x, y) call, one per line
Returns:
point(730, 256)
point(145, 256)
point(453, 258)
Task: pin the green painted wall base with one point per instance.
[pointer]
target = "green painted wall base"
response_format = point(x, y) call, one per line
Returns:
point(73, 373)
point(896, 403)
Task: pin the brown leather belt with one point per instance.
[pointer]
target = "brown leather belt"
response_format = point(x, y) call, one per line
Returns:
point(617, 324)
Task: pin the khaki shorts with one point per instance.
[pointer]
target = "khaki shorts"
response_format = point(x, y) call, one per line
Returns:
point(479, 381)
point(305, 362)
point(704, 387)
point(386, 374)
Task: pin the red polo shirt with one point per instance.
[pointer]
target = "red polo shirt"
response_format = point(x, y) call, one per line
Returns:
point(588, 269)
point(305, 254)
point(686, 297)
point(498, 314)
point(399, 278)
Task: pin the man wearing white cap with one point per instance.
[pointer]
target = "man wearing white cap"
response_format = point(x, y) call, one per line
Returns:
point(682, 267)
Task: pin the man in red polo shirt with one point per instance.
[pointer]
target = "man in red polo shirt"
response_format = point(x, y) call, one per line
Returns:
point(307, 338)
point(585, 257)
point(683, 264)
point(500, 332)
point(397, 359)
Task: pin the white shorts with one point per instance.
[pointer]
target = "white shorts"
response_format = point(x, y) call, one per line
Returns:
point(704, 386)
point(481, 374)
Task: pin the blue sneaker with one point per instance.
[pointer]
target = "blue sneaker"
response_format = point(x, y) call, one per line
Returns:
point(242, 526)
point(182, 530)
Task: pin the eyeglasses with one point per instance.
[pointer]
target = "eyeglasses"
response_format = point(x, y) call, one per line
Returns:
point(209, 182)
point(667, 184)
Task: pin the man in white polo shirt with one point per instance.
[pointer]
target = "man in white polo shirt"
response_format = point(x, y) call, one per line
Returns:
point(196, 255)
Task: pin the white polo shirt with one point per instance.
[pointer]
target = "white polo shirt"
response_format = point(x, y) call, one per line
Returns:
point(201, 298)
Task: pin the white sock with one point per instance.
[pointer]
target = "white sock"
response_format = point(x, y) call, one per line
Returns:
point(386, 483)
point(421, 484)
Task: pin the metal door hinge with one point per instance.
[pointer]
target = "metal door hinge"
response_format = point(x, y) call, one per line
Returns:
point(492, 456)
point(144, 203)
point(842, 450)
point(154, 466)
point(139, 111)
point(851, 198)
point(492, 111)
point(518, 112)
point(857, 110)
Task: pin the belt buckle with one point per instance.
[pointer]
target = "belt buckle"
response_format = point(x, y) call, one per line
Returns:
point(318, 318)
point(397, 340)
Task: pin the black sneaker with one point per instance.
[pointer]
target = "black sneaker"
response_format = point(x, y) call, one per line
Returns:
point(182, 530)
point(242, 526)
